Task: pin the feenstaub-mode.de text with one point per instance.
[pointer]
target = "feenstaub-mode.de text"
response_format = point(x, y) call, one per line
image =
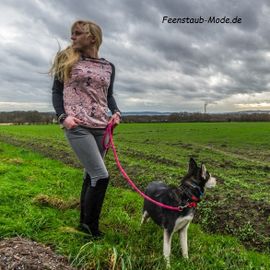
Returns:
point(210, 19)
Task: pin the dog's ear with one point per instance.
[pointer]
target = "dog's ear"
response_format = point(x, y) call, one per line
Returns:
point(192, 165)
point(203, 171)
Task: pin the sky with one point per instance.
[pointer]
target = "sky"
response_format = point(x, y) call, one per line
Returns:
point(170, 55)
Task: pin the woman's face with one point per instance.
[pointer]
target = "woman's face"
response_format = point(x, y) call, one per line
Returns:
point(81, 40)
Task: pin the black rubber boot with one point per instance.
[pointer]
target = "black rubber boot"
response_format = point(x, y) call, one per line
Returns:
point(86, 184)
point(100, 191)
point(92, 205)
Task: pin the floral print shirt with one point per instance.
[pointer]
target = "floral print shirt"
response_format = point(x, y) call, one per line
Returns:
point(85, 93)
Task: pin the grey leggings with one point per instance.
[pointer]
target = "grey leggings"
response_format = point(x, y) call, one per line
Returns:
point(87, 145)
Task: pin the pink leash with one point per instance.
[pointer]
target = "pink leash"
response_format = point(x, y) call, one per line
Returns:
point(110, 144)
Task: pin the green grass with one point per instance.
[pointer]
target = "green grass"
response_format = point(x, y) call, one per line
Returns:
point(27, 177)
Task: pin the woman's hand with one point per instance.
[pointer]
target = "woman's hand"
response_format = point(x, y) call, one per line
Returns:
point(116, 118)
point(71, 122)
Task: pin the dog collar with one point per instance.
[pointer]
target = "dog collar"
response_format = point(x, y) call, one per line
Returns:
point(193, 197)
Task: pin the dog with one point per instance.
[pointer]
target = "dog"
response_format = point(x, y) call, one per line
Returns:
point(186, 197)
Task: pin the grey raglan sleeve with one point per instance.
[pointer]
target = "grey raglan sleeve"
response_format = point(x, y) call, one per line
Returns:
point(110, 99)
point(57, 96)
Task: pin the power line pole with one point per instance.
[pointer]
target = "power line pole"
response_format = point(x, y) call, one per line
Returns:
point(205, 105)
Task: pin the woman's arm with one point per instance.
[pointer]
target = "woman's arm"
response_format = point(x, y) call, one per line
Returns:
point(57, 97)
point(116, 114)
point(111, 101)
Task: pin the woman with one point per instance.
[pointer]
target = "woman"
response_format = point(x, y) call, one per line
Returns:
point(82, 93)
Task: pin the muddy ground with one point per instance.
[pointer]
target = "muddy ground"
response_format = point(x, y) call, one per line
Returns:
point(24, 254)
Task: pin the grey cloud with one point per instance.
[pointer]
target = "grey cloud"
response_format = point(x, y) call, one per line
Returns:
point(190, 62)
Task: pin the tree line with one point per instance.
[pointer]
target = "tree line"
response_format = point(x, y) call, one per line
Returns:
point(35, 117)
point(199, 117)
point(27, 117)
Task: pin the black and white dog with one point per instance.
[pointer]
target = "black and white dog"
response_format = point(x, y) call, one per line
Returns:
point(185, 197)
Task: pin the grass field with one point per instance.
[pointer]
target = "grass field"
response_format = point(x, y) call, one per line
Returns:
point(39, 194)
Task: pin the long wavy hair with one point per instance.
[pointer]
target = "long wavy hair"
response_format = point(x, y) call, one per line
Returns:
point(66, 58)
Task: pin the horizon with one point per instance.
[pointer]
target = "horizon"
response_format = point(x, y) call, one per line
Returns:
point(153, 112)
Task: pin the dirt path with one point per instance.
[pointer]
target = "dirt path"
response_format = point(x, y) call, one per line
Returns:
point(23, 254)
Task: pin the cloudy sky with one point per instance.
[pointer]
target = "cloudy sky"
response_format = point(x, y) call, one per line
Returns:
point(160, 65)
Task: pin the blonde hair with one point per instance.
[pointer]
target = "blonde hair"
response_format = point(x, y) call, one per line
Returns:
point(66, 58)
